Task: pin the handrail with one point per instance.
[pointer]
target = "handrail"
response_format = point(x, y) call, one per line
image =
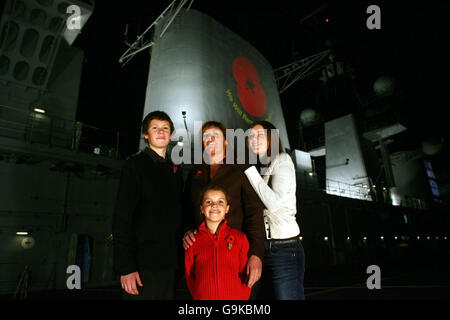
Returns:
point(34, 127)
point(347, 190)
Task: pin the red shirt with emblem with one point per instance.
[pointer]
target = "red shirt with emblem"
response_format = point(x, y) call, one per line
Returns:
point(215, 265)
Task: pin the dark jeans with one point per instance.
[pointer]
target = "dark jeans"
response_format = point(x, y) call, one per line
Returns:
point(283, 272)
point(157, 285)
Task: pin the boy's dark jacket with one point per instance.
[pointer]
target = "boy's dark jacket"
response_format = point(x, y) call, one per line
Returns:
point(147, 214)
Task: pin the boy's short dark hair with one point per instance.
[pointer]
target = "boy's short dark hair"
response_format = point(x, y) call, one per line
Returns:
point(158, 115)
point(214, 187)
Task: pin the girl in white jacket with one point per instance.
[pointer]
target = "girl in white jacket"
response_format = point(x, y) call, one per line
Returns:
point(273, 179)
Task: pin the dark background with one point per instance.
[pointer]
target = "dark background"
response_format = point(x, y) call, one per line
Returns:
point(411, 47)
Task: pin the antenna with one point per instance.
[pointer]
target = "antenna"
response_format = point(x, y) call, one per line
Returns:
point(140, 43)
point(298, 69)
point(185, 125)
point(126, 35)
point(312, 13)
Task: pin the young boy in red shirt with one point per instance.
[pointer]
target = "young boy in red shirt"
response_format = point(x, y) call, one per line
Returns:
point(215, 264)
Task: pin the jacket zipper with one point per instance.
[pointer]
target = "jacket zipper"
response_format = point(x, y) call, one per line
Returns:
point(216, 266)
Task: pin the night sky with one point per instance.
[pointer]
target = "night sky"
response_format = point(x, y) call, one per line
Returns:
point(411, 47)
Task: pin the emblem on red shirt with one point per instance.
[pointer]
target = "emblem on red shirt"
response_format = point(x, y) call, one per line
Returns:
point(230, 242)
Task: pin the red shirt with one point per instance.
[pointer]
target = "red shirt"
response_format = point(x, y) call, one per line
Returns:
point(215, 265)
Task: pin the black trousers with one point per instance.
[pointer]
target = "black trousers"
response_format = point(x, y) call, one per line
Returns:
point(157, 285)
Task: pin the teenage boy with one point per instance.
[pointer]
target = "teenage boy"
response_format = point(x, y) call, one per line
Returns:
point(147, 216)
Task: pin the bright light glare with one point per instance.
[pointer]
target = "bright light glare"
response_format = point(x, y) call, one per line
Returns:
point(39, 110)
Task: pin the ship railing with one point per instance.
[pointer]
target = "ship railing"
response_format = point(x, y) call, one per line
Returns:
point(367, 192)
point(40, 128)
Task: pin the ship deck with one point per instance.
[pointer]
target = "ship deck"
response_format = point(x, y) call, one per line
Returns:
point(428, 279)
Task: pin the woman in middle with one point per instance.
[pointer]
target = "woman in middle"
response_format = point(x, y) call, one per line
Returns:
point(246, 213)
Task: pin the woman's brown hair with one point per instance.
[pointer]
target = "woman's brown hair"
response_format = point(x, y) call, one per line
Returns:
point(216, 124)
point(223, 128)
point(270, 128)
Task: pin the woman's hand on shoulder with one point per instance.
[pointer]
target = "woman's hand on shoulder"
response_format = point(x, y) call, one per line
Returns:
point(189, 238)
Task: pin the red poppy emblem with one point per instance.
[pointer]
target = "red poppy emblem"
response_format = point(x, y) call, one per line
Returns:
point(250, 92)
point(175, 168)
point(199, 173)
point(230, 240)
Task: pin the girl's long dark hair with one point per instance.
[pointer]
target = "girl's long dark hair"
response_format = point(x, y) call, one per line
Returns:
point(270, 129)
